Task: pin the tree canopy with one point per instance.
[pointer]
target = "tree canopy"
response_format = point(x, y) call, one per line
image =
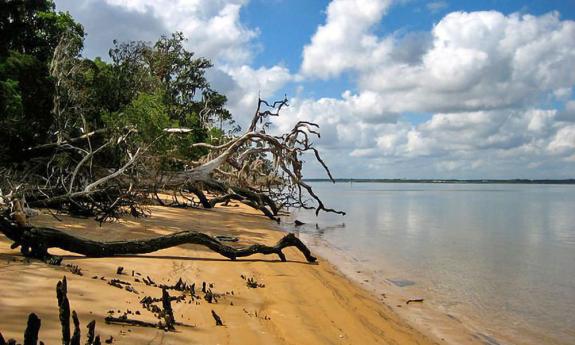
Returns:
point(29, 34)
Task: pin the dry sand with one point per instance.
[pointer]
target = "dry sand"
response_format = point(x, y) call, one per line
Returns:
point(300, 304)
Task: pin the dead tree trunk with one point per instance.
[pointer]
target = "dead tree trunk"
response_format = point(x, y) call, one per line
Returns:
point(35, 242)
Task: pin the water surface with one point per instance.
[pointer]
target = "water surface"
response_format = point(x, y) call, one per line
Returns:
point(502, 256)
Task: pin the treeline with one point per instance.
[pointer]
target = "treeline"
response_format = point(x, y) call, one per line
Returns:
point(485, 181)
point(50, 93)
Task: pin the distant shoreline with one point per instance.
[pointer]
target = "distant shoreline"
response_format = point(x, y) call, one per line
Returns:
point(445, 181)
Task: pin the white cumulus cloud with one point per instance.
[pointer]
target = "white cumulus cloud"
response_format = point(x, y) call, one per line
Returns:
point(497, 90)
point(213, 27)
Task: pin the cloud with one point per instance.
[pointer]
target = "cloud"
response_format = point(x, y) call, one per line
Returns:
point(104, 23)
point(498, 88)
point(436, 6)
point(563, 142)
point(345, 39)
point(568, 113)
point(481, 60)
point(496, 144)
point(474, 61)
point(213, 27)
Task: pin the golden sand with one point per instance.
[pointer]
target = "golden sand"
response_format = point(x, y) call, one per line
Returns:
point(301, 303)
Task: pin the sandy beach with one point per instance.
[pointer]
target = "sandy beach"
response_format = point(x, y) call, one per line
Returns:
point(300, 303)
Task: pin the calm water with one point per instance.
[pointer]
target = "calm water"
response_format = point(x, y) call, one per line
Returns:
point(502, 254)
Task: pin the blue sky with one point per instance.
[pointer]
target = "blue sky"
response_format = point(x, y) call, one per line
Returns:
point(401, 88)
point(286, 26)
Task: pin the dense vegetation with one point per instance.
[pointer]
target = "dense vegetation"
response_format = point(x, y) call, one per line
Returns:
point(49, 92)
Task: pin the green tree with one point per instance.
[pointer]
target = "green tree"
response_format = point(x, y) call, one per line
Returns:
point(165, 68)
point(29, 33)
point(147, 114)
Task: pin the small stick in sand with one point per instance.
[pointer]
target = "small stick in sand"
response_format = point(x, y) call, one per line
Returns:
point(414, 300)
point(126, 321)
point(168, 312)
point(217, 318)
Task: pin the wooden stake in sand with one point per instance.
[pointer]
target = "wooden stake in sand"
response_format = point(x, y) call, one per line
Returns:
point(168, 312)
point(91, 330)
point(76, 336)
point(64, 307)
point(32, 329)
point(34, 323)
point(217, 318)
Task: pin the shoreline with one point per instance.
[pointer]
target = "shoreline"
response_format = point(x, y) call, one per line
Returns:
point(394, 293)
point(476, 266)
point(300, 303)
point(392, 287)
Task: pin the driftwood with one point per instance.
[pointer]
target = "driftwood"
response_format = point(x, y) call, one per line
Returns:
point(261, 170)
point(256, 168)
point(165, 314)
point(123, 320)
point(91, 331)
point(413, 300)
point(35, 242)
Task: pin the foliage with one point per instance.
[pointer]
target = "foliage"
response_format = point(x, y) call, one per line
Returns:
point(48, 92)
point(162, 83)
point(169, 68)
point(29, 33)
point(147, 114)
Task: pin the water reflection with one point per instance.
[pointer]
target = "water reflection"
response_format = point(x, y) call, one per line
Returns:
point(502, 253)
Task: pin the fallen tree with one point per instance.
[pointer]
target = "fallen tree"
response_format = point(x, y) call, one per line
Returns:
point(224, 173)
point(35, 242)
point(117, 171)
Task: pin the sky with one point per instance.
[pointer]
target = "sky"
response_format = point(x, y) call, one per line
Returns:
point(400, 88)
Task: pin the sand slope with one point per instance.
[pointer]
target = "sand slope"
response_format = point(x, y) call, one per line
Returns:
point(300, 303)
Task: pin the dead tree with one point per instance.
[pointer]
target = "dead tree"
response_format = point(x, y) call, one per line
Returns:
point(230, 169)
point(35, 242)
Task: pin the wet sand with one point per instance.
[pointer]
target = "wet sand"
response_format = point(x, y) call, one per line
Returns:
point(300, 304)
